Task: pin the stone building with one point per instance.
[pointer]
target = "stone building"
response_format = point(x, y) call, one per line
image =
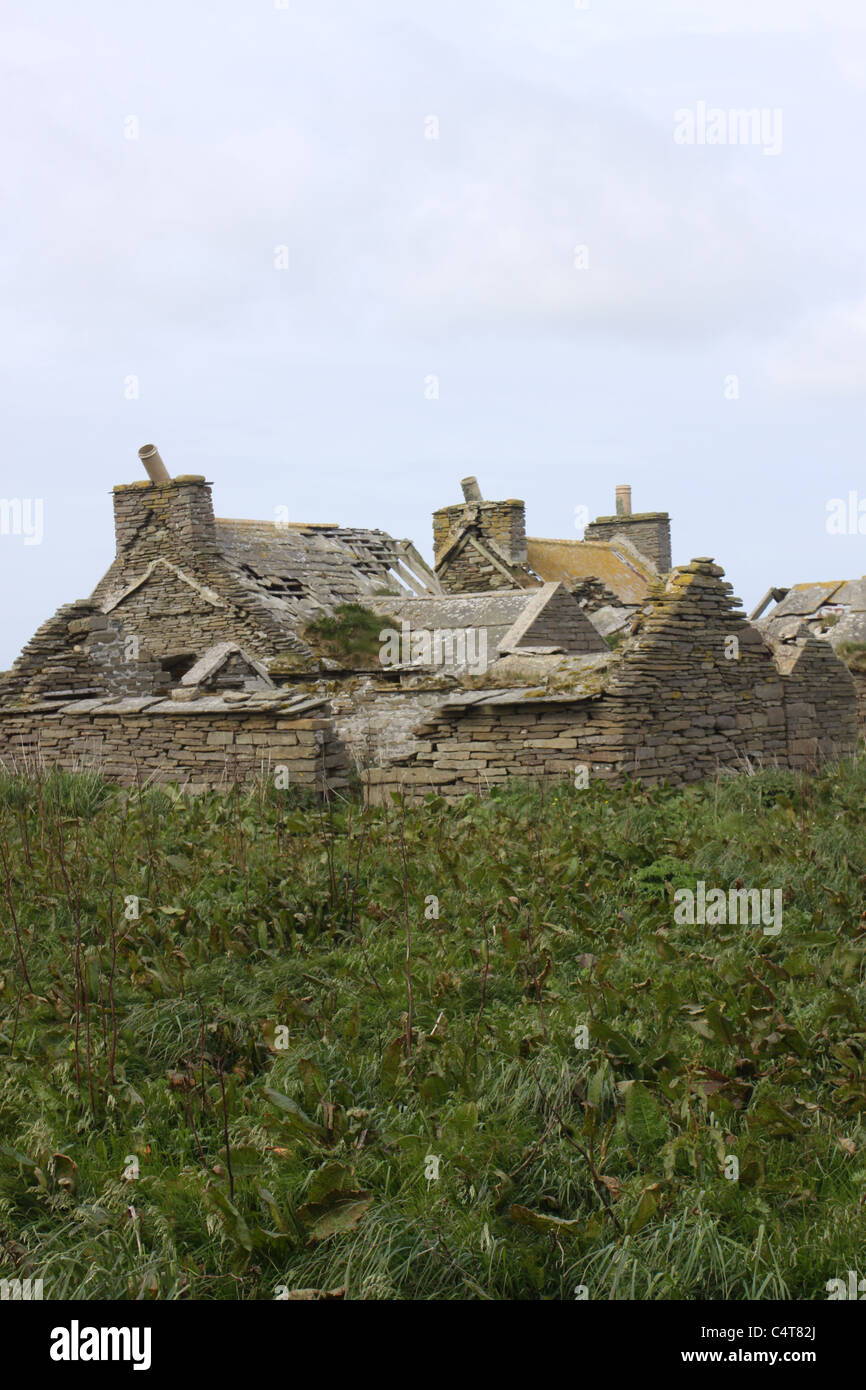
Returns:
point(695, 690)
point(200, 656)
point(480, 545)
point(835, 611)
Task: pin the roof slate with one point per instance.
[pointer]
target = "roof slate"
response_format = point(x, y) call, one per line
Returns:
point(624, 571)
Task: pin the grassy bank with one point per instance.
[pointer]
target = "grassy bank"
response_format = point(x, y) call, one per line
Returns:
point(250, 1044)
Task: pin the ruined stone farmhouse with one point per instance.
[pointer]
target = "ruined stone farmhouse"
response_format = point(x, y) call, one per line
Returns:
point(834, 610)
point(217, 650)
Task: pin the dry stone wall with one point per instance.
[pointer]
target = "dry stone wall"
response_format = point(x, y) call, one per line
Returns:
point(698, 690)
point(859, 678)
point(470, 748)
point(504, 523)
point(469, 569)
point(378, 725)
point(554, 619)
point(197, 744)
point(821, 697)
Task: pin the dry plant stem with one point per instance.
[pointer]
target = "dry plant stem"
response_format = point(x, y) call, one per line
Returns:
point(226, 1129)
point(410, 1010)
point(593, 1171)
point(15, 927)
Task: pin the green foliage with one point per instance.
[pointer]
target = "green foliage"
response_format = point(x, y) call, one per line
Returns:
point(218, 1084)
point(351, 635)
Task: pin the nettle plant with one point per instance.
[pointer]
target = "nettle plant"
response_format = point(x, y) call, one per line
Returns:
point(254, 1048)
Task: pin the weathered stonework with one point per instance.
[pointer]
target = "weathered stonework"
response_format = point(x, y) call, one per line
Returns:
point(504, 523)
point(215, 615)
point(649, 532)
point(197, 744)
point(697, 690)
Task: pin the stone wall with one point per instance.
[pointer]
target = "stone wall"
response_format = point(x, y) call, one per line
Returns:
point(859, 678)
point(821, 698)
point(696, 691)
point(469, 569)
point(469, 749)
point(197, 744)
point(81, 652)
point(377, 726)
point(592, 594)
point(504, 523)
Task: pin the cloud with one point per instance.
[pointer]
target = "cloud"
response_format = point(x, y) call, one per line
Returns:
point(826, 354)
point(174, 233)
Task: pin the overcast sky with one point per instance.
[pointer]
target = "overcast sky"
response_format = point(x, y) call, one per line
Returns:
point(596, 301)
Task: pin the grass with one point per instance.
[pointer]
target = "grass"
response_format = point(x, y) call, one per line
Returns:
point(350, 635)
point(252, 1045)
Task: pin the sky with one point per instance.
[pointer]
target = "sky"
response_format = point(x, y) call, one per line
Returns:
point(337, 254)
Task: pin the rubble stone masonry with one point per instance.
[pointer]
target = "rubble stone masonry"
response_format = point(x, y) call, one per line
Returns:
point(201, 743)
point(695, 691)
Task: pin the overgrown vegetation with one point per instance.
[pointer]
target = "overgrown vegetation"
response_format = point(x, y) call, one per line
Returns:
point(350, 636)
point(854, 656)
point(242, 1053)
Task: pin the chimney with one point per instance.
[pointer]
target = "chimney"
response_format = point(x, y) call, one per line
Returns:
point(649, 532)
point(163, 516)
point(156, 469)
point(502, 523)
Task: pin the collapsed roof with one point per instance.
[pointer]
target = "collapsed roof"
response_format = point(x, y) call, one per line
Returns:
point(832, 609)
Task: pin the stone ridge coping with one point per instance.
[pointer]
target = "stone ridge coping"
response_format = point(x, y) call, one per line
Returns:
point(215, 704)
point(182, 480)
point(633, 516)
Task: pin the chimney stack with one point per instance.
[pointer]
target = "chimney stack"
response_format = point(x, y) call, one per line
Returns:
point(649, 532)
point(501, 524)
point(163, 517)
point(156, 469)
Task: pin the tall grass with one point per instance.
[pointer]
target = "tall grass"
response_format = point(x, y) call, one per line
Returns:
point(251, 1043)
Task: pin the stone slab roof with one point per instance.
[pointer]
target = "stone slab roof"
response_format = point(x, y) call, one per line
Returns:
point(300, 568)
point(834, 609)
point(278, 703)
point(803, 599)
point(512, 619)
point(616, 563)
point(496, 611)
